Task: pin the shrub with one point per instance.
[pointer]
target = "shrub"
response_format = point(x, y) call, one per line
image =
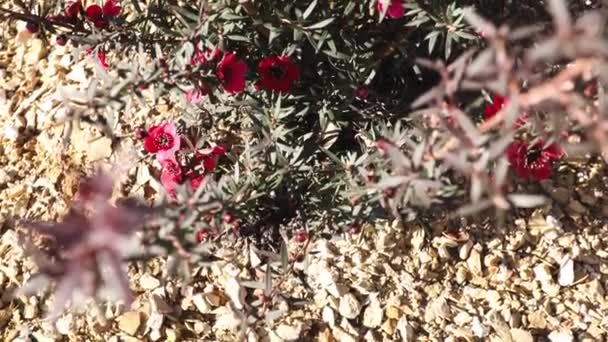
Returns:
point(307, 119)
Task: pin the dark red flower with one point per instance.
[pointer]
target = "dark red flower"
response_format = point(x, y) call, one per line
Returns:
point(32, 27)
point(162, 140)
point(171, 176)
point(95, 14)
point(278, 73)
point(111, 8)
point(533, 162)
point(99, 16)
point(101, 57)
point(498, 103)
point(195, 180)
point(71, 11)
point(208, 159)
point(362, 93)
point(61, 40)
point(395, 9)
point(202, 235)
point(231, 72)
point(301, 236)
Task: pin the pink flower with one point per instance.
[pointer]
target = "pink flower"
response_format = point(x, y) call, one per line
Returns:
point(171, 176)
point(196, 95)
point(163, 141)
point(231, 72)
point(533, 162)
point(395, 9)
point(498, 103)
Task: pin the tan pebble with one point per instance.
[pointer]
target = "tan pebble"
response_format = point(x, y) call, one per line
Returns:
point(326, 336)
point(389, 326)
point(201, 304)
point(465, 249)
point(566, 272)
point(349, 306)
point(520, 335)
point(148, 282)
point(536, 320)
point(213, 298)
point(129, 322)
point(65, 324)
point(474, 261)
point(561, 336)
point(373, 315)
point(328, 316)
point(393, 312)
point(406, 330)
point(173, 335)
point(289, 332)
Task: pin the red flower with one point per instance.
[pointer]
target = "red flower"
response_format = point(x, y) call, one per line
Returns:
point(498, 103)
point(533, 163)
point(162, 140)
point(101, 58)
point(111, 8)
point(211, 56)
point(231, 71)
point(171, 176)
point(208, 159)
point(99, 16)
point(362, 93)
point(395, 9)
point(95, 14)
point(71, 11)
point(278, 73)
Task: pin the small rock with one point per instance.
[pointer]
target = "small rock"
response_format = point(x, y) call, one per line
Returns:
point(520, 335)
point(389, 326)
point(148, 282)
point(65, 324)
point(328, 316)
point(235, 292)
point(349, 306)
point(289, 332)
point(201, 304)
point(129, 322)
point(478, 329)
point(474, 261)
point(373, 315)
point(159, 304)
point(566, 272)
point(342, 336)
point(561, 336)
point(542, 273)
point(213, 298)
point(406, 330)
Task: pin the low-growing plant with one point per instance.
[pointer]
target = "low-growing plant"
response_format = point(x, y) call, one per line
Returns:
point(310, 119)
